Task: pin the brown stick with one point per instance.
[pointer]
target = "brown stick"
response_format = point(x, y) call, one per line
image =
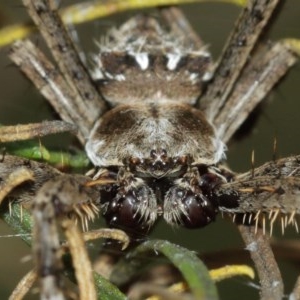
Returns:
point(261, 253)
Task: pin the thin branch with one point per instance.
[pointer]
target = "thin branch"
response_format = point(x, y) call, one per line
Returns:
point(261, 253)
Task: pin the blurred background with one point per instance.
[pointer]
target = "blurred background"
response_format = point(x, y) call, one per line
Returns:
point(21, 103)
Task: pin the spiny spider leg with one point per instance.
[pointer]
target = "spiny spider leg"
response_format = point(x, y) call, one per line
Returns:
point(40, 174)
point(87, 100)
point(56, 199)
point(251, 22)
point(267, 192)
point(266, 189)
point(257, 79)
point(24, 285)
point(53, 198)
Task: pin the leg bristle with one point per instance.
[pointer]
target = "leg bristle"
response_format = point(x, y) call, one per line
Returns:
point(259, 218)
point(89, 173)
point(296, 225)
point(94, 207)
point(77, 211)
point(83, 223)
point(256, 224)
point(244, 218)
point(292, 217)
point(264, 224)
point(271, 214)
point(233, 218)
point(88, 211)
point(257, 215)
point(293, 172)
point(250, 218)
point(86, 224)
point(271, 228)
point(79, 215)
point(274, 217)
point(285, 220)
point(282, 225)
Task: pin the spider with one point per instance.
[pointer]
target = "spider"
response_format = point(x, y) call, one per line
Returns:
point(154, 115)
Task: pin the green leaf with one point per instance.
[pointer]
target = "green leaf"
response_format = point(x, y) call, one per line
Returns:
point(106, 290)
point(20, 220)
point(35, 151)
point(191, 267)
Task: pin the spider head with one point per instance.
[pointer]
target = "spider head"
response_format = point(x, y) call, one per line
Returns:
point(158, 164)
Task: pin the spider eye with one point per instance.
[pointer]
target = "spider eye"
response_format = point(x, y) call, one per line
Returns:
point(189, 209)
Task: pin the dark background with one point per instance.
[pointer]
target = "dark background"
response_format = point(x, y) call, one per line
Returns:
point(21, 103)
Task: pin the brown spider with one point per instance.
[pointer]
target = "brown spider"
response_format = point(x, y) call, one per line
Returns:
point(154, 116)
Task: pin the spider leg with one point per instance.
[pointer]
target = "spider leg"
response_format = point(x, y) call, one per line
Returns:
point(34, 130)
point(179, 26)
point(61, 196)
point(250, 24)
point(86, 98)
point(53, 197)
point(15, 178)
point(64, 196)
point(49, 82)
point(267, 192)
point(257, 79)
point(271, 189)
point(24, 285)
